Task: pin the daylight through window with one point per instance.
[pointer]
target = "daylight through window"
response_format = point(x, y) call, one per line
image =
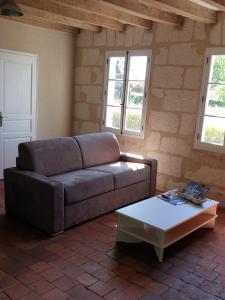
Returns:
point(211, 125)
point(126, 87)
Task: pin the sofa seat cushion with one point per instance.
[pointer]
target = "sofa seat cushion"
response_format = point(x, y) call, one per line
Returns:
point(83, 184)
point(125, 173)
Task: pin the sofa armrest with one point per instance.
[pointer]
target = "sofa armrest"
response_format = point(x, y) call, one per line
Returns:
point(35, 198)
point(127, 157)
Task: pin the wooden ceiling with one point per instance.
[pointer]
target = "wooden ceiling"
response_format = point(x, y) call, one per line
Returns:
point(92, 15)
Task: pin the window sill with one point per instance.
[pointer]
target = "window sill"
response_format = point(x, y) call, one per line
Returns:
point(209, 147)
point(125, 134)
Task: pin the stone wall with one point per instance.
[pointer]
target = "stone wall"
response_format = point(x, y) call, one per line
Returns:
point(176, 72)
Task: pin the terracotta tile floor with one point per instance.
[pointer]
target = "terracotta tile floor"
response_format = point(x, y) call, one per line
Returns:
point(85, 263)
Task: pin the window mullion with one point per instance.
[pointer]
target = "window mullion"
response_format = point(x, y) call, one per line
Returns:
point(123, 104)
point(145, 94)
point(213, 116)
point(205, 94)
point(216, 83)
point(106, 80)
point(224, 142)
point(204, 97)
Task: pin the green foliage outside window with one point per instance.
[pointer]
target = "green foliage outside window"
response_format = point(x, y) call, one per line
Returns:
point(218, 76)
point(136, 99)
point(135, 96)
point(116, 119)
point(217, 103)
point(214, 136)
point(133, 121)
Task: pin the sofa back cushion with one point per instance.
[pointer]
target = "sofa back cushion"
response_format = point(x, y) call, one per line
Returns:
point(50, 157)
point(98, 148)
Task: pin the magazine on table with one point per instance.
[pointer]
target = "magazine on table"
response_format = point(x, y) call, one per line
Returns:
point(172, 197)
point(193, 192)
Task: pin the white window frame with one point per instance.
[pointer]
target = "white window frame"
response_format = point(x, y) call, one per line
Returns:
point(127, 54)
point(198, 144)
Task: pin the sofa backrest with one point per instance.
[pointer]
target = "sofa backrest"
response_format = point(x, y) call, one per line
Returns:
point(98, 148)
point(50, 157)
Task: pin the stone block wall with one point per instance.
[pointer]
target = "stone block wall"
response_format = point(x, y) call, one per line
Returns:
point(176, 73)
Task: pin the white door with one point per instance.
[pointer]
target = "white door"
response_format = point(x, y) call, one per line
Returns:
point(17, 104)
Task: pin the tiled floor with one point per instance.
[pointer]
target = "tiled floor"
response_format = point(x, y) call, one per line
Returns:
point(85, 263)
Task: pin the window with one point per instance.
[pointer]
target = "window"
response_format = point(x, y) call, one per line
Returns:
point(126, 91)
point(211, 121)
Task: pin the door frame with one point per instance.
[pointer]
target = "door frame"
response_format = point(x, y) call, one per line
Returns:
point(35, 69)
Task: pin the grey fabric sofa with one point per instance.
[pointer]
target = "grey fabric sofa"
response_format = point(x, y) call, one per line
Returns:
point(59, 183)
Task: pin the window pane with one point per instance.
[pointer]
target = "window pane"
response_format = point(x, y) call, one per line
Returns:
point(115, 92)
point(137, 70)
point(135, 94)
point(216, 100)
point(113, 117)
point(116, 67)
point(213, 130)
point(133, 119)
point(218, 69)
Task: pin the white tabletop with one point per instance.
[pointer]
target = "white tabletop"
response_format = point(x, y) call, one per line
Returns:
point(161, 214)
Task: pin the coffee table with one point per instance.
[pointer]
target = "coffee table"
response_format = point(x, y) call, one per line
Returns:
point(160, 223)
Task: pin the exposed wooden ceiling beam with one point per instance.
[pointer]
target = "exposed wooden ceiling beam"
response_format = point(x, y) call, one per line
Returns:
point(71, 14)
point(139, 9)
point(184, 8)
point(217, 4)
point(31, 20)
point(47, 16)
point(205, 3)
point(99, 7)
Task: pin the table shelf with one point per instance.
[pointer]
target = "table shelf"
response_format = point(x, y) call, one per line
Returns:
point(165, 239)
point(142, 235)
point(186, 228)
